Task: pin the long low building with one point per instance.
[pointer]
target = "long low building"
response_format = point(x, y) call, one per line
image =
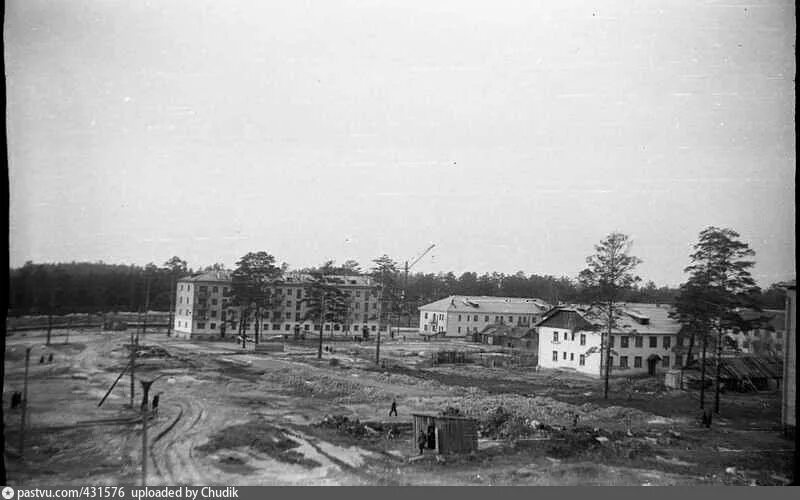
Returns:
point(460, 316)
point(202, 307)
point(570, 337)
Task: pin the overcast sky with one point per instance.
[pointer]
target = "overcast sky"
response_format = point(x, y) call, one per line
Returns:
point(513, 134)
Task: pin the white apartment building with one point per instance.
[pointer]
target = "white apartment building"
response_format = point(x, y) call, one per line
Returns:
point(642, 345)
point(459, 316)
point(202, 310)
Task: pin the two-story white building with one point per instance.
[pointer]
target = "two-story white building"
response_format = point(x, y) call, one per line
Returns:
point(460, 316)
point(570, 337)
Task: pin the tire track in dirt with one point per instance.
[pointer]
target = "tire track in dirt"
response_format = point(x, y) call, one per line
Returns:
point(172, 450)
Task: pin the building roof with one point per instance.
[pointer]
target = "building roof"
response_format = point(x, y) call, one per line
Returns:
point(488, 305)
point(742, 367)
point(775, 318)
point(210, 276)
point(501, 330)
point(791, 285)
point(645, 319)
point(286, 279)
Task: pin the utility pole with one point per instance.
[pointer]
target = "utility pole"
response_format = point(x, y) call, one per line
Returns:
point(322, 319)
point(133, 368)
point(50, 315)
point(24, 414)
point(146, 307)
point(145, 410)
point(172, 292)
point(406, 267)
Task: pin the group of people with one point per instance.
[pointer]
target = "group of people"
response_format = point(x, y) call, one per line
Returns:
point(49, 359)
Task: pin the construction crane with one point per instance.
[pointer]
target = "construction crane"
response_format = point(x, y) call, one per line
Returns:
point(408, 266)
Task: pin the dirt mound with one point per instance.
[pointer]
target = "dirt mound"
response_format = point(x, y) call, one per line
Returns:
point(261, 437)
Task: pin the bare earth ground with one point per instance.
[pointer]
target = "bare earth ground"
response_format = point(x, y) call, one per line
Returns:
point(231, 416)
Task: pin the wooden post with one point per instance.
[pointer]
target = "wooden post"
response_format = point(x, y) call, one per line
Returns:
point(133, 369)
point(145, 410)
point(24, 414)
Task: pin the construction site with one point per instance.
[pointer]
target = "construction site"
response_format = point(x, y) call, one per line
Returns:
point(277, 414)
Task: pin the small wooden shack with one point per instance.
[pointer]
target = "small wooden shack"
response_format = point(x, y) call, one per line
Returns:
point(445, 433)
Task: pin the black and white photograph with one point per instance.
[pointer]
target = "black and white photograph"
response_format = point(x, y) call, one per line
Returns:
point(398, 243)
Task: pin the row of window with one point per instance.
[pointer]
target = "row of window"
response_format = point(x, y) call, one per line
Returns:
point(201, 325)
point(623, 360)
point(624, 340)
point(204, 288)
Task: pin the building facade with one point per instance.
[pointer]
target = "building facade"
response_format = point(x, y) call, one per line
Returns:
point(643, 344)
point(202, 307)
point(789, 396)
point(767, 340)
point(460, 316)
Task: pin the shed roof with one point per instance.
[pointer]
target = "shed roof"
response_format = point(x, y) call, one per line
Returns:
point(648, 319)
point(488, 305)
point(742, 367)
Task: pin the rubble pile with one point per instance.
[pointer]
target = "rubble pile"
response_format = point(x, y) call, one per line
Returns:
point(343, 425)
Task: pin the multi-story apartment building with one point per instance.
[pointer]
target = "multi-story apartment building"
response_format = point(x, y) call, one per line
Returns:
point(459, 316)
point(643, 343)
point(203, 307)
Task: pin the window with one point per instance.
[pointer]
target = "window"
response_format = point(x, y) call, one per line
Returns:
point(224, 289)
point(425, 327)
point(582, 360)
point(213, 302)
point(287, 327)
point(572, 356)
point(213, 326)
point(475, 318)
point(297, 306)
point(565, 336)
point(583, 339)
point(486, 318)
point(623, 361)
point(680, 341)
point(327, 328)
point(299, 293)
point(653, 341)
point(358, 305)
point(565, 355)
point(215, 290)
point(426, 315)
point(573, 337)
point(510, 319)
point(358, 293)
point(467, 318)
point(180, 299)
point(639, 341)
point(306, 327)
point(459, 317)
point(665, 361)
point(213, 313)
point(555, 355)
point(459, 329)
point(623, 341)
point(555, 336)
point(667, 342)
point(276, 327)
point(373, 328)
point(612, 341)
point(678, 361)
point(637, 362)
point(288, 315)
point(201, 326)
point(288, 303)
point(181, 286)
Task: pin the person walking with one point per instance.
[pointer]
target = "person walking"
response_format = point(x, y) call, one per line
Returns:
point(155, 403)
point(393, 411)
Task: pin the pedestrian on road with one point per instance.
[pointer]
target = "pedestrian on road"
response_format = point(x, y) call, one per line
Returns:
point(393, 411)
point(155, 403)
point(50, 358)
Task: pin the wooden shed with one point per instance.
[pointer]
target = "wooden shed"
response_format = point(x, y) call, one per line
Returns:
point(445, 433)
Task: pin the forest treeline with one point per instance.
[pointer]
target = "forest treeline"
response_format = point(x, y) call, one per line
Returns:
point(78, 287)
